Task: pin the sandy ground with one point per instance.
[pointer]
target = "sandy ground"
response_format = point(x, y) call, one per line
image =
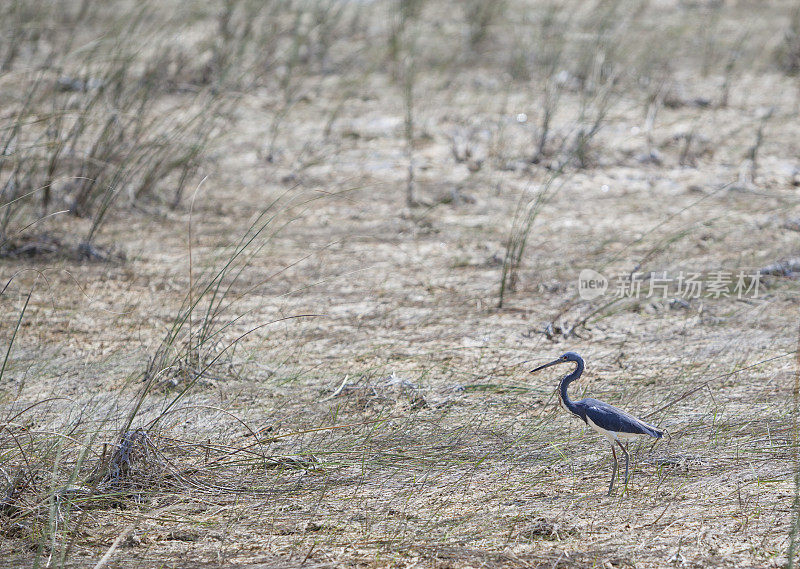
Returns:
point(395, 422)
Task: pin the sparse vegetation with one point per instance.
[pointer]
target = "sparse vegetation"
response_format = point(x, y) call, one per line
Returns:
point(286, 366)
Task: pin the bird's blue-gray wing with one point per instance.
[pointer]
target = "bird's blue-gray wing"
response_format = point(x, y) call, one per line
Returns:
point(610, 418)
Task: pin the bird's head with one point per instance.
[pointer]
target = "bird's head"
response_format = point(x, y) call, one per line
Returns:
point(566, 357)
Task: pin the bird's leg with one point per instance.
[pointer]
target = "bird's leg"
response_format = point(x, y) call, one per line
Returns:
point(625, 452)
point(613, 471)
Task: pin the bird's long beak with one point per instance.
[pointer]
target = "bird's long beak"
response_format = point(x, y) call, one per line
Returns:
point(554, 362)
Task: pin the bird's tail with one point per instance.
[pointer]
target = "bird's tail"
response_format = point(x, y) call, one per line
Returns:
point(653, 432)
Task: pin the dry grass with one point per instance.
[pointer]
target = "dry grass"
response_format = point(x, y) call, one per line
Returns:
point(302, 363)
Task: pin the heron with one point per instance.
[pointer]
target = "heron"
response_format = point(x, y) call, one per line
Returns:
point(614, 424)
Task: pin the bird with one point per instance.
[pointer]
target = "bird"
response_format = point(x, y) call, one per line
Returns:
point(614, 424)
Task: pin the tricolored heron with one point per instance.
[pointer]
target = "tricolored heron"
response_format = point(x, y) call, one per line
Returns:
point(614, 424)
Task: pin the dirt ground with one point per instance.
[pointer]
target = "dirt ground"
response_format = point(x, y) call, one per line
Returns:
point(378, 410)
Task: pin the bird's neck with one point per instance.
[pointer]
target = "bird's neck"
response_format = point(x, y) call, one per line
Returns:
point(565, 400)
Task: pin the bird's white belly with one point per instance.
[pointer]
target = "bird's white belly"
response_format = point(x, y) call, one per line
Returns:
point(611, 435)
